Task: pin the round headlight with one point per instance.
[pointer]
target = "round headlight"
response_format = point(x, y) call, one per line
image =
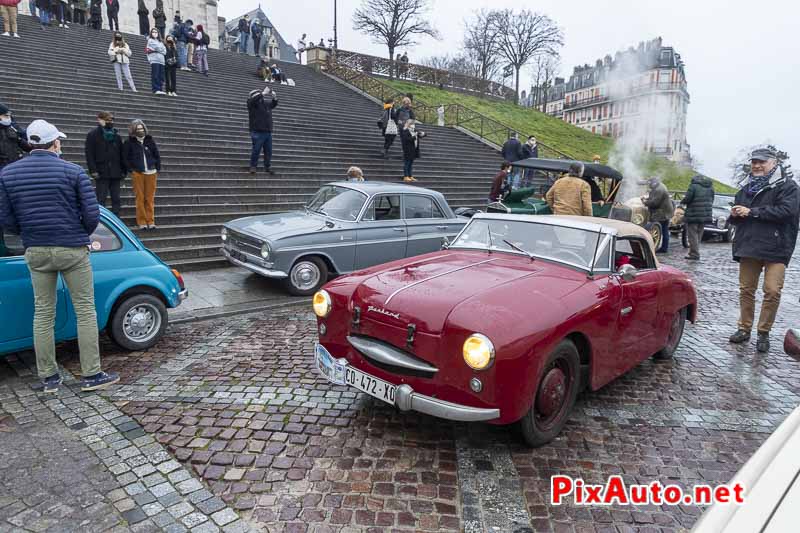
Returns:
point(224, 234)
point(265, 250)
point(321, 303)
point(478, 352)
point(638, 219)
point(721, 222)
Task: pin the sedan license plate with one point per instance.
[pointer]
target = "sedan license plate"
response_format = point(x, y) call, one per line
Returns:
point(340, 373)
point(236, 254)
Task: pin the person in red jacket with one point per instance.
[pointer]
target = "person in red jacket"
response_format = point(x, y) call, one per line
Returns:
point(498, 182)
point(8, 10)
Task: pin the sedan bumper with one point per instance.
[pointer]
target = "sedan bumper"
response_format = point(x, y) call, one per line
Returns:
point(277, 274)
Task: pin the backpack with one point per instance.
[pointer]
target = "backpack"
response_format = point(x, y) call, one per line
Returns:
point(206, 40)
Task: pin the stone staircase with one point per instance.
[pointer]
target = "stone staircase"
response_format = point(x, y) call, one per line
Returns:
point(322, 127)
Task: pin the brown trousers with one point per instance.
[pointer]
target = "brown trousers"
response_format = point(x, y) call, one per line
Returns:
point(749, 274)
point(144, 187)
point(9, 14)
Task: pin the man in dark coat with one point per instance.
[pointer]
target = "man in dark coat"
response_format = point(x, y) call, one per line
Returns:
point(698, 203)
point(766, 214)
point(160, 18)
point(144, 19)
point(13, 141)
point(105, 160)
point(49, 202)
point(256, 31)
point(512, 151)
point(112, 11)
point(244, 33)
point(259, 108)
point(660, 208)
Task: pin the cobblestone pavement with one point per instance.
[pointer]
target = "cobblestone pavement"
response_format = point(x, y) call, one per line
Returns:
point(238, 405)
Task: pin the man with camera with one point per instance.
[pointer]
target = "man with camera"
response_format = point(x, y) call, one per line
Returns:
point(259, 107)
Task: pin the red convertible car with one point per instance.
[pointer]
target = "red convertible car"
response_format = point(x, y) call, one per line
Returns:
point(508, 323)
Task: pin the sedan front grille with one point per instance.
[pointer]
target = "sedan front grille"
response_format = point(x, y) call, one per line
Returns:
point(244, 243)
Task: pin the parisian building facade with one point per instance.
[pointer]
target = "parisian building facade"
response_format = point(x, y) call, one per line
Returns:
point(639, 94)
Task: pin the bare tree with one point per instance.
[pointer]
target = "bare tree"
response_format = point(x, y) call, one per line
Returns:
point(524, 36)
point(482, 43)
point(394, 23)
point(740, 166)
point(438, 62)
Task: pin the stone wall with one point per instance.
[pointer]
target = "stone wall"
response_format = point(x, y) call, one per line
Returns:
point(200, 11)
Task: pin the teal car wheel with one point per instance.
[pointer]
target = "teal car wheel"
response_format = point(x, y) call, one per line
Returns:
point(139, 322)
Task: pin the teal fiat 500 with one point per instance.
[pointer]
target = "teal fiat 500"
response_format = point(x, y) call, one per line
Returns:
point(132, 289)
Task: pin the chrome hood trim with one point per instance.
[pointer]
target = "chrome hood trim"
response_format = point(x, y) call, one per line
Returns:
point(388, 355)
point(439, 275)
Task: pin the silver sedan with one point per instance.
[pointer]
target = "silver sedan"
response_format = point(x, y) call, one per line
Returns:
point(346, 226)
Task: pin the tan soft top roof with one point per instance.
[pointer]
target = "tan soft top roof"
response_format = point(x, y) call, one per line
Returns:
point(623, 229)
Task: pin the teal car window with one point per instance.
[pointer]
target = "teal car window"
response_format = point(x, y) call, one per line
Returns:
point(104, 240)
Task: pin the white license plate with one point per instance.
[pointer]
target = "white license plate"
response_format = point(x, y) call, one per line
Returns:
point(339, 372)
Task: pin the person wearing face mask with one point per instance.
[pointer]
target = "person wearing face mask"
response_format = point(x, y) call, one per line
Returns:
point(259, 108)
point(171, 67)
point(156, 53)
point(105, 160)
point(410, 138)
point(144, 162)
point(55, 214)
point(120, 54)
point(13, 141)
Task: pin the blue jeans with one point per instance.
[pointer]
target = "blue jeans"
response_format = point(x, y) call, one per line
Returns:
point(408, 167)
point(182, 57)
point(515, 178)
point(157, 76)
point(262, 140)
point(664, 237)
point(32, 6)
point(243, 37)
point(44, 17)
point(62, 13)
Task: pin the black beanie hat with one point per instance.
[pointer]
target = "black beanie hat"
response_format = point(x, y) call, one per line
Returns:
point(4, 110)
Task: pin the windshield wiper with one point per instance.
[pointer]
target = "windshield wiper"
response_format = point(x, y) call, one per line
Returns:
point(517, 248)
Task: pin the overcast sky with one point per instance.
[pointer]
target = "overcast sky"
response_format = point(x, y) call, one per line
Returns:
point(740, 56)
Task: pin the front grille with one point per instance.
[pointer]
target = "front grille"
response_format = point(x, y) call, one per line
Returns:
point(396, 369)
point(244, 243)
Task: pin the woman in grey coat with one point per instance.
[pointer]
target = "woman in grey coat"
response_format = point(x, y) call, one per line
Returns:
point(156, 52)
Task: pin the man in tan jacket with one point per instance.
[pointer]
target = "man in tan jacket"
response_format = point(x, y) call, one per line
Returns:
point(570, 194)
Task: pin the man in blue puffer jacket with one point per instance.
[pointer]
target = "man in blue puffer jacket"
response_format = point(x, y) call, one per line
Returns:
point(50, 203)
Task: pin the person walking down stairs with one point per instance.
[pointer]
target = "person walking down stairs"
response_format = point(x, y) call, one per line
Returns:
point(144, 19)
point(259, 107)
point(171, 67)
point(156, 52)
point(8, 10)
point(202, 40)
point(388, 125)
point(112, 10)
point(120, 54)
point(144, 162)
point(105, 160)
point(410, 138)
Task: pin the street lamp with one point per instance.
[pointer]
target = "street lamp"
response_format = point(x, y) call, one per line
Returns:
point(335, 34)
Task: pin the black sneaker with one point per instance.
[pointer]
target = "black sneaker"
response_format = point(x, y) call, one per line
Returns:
point(52, 383)
point(99, 381)
point(252, 170)
point(740, 336)
point(762, 343)
point(269, 171)
point(692, 258)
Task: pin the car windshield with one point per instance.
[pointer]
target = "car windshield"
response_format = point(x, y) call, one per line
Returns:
point(723, 201)
point(574, 246)
point(338, 202)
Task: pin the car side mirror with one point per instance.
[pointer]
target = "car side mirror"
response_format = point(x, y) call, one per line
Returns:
point(627, 272)
point(445, 243)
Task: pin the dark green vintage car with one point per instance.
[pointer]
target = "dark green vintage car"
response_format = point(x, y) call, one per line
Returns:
point(604, 181)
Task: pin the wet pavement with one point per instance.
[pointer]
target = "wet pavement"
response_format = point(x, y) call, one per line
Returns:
point(237, 405)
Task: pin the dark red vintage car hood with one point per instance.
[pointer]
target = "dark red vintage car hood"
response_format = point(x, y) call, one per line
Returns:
point(424, 292)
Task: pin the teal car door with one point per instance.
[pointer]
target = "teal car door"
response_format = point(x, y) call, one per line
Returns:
point(16, 298)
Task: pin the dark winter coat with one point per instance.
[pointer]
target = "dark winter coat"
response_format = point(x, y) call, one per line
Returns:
point(769, 233)
point(259, 110)
point(404, 114)
point(96, 11)
point(12, 144)
point(256, 30)
point(497, 185)
point(244, 26)
point(659, 203)
point(528, 152)
point(104, 157)
point(135, 153)
point(512, 150)
point(411, 144)
point(171, 57)
point(159, 17)
point(699, 201)
point(112, 7)
point(48, 201)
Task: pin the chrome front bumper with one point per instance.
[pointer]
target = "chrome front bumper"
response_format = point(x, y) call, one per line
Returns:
point(277, 274)
point(183, 295)
point(407, 400)
point(714, 229)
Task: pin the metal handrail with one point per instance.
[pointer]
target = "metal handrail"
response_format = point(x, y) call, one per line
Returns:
point(451, 115)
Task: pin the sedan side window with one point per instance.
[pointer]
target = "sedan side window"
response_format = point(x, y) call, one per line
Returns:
point(385, 207)
point(104, 239)
point(418, 206)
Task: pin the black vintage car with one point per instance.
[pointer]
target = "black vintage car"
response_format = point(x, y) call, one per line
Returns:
point(719, 226)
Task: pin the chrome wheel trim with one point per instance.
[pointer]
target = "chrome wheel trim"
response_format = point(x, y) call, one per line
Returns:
point(141, 323)
point(305, 275)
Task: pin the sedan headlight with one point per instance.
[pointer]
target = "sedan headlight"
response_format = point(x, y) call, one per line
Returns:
point(721, 221)
point(224, 234)
point(265, 250)
point(478, 352)
point(321, 303)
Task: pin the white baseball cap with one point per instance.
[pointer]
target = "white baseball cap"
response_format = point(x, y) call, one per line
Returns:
point(42, 132)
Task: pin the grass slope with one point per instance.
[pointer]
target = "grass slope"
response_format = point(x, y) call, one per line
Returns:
point(554, 132)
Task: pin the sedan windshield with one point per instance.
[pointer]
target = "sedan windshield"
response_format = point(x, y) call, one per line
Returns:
point(574, 246)
point(723, 201)
point(338, 202)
